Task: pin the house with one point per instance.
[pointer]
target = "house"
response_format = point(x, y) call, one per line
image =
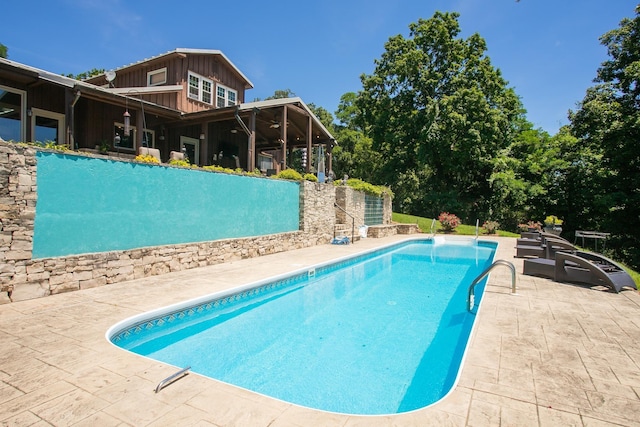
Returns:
point(191, 101)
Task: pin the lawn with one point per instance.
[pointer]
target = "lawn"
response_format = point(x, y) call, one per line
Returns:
point(425, 226)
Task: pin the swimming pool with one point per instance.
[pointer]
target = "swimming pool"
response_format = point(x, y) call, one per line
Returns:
point(381, 333)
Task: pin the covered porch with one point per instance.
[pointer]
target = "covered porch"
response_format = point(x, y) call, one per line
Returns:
point(266, 135)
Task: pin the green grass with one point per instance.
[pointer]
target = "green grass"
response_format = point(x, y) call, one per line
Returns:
point(634, 275)
point(425, 225)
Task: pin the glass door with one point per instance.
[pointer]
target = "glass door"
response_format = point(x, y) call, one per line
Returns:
point(47, 126)
point(191, 148)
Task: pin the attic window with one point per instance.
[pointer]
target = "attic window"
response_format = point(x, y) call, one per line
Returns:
point(226, 97)
point(157, 77)
point(200, 88)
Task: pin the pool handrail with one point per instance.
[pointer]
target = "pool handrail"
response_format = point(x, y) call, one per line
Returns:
point(433, 227)
point(471, 293)
point(353, 222)
point(171, 378)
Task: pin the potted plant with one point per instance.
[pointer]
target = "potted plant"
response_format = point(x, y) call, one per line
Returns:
point(553, 225)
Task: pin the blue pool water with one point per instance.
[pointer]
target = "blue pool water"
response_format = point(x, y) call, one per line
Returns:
point(381, 333)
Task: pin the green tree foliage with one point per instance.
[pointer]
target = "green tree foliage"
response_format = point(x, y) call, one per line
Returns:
point(279, 94)
point(608, 123)
point(354, 156)
point(87, 74)
point(438, 114)
point(3, 51)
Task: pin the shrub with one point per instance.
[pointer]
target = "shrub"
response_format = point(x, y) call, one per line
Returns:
point(146, 158)
point(291, 174)
point(310, 177)
point(365, 187)
point(530, 225)
point(490, 227)
point(448, 221)
point(183, 163)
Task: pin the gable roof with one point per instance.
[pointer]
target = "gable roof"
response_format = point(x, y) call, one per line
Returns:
point(186, 51)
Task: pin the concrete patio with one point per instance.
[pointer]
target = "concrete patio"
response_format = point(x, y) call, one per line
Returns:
point(554, 354)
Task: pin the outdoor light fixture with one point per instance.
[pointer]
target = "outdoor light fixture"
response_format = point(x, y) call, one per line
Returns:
point(127, 122)
point(202, 137)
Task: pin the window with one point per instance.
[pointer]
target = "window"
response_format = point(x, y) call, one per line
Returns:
point(129, 142)
point(47, 126)
point(200, 88)
point(157, 77)
point(126, 142)
point(226, 97)
point(12, 114)
point(149, 138)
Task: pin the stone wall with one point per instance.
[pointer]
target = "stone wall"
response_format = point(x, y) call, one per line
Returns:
point(17, 213)
point(317, 212)
point(22, 277)
point(353, 202)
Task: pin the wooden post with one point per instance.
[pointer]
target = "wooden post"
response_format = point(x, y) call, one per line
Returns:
point(252, 142)
point(283, 136)
point(309, 142)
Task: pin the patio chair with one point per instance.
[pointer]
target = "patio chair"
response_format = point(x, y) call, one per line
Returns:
point(146, 151)
point(176, 155)
point(546, 249)
point(536, 239)
point(581, 267)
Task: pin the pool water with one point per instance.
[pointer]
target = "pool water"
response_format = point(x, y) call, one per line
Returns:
point(382, 333)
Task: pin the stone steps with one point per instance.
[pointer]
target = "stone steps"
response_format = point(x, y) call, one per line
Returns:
point(345, 230)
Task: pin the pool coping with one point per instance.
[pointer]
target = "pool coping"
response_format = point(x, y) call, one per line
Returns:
point(553, 354)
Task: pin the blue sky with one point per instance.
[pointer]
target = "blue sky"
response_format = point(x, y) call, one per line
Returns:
point(548, 50)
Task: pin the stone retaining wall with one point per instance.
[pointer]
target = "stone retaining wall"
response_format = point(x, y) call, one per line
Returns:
point(24, 278)
point(354, 202)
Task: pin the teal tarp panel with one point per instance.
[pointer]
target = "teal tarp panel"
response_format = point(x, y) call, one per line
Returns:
point(93, 205)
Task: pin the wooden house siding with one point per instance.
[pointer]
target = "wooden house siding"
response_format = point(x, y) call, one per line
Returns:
point(47, 97)
point(212, 67)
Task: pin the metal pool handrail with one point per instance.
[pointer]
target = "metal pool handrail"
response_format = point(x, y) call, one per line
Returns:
point(471, 294)
point(353, 222)
point(171, 378)
point(433, 227)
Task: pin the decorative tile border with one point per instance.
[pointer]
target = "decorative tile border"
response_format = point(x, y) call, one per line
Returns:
point(132, 331)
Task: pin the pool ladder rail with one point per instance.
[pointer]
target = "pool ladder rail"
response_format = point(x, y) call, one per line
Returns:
point(471, 293)
point(171, 378)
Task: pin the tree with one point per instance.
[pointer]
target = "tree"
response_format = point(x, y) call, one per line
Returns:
point(354, 156)
point(3, 51)
point(279, 94)
point(86, 74)
point(608, 122)
point(438, 114)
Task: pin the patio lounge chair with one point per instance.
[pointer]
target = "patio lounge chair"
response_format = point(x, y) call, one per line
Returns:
point(547, 249)
point(580, 267)
point(538, 239)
